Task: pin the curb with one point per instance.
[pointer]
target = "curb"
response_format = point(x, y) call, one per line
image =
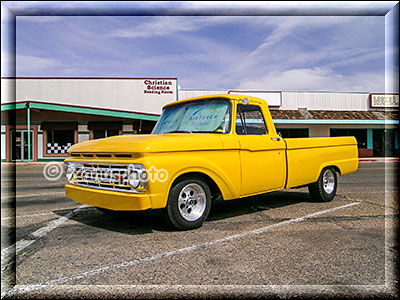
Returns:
point(379, 159)
point(361, 159)
point(34, 163)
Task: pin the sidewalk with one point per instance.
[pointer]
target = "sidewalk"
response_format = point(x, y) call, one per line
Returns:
point(361, 159)
point(379, 159)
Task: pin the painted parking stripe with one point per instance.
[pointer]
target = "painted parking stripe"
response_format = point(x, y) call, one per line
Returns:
point(7, 253)
point(63, 280)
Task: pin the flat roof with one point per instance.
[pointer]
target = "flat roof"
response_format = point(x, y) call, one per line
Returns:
point(279, 116)
point(79, 109)
point(173, 78)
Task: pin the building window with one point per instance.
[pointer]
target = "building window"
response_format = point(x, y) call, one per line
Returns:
point(58, 141)
point(293, 132)
point(384, 142)
point(99, 134)
point(359, 134)
point(143, 126)
point(99, 130)
point(250, 120)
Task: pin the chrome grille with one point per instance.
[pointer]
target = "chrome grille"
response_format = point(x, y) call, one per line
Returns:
point(101, 155)
point(102, 175)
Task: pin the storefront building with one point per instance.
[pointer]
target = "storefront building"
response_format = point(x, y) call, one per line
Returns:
point(42, 117)
point(371, 117)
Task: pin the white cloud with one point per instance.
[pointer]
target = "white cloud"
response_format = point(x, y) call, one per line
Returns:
point(39, 19)
point(168, 25)
point(189, 57)
point(316, 79)
point(284, 27)
point(315, 53)
point(26, 64)
point(282, 52)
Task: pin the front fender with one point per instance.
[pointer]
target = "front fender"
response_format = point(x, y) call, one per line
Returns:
point(223, 167)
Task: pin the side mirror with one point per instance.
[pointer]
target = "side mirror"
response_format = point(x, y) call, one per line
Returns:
point(245, 101)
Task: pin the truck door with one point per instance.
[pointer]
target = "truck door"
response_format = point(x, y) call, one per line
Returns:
point(262, 156)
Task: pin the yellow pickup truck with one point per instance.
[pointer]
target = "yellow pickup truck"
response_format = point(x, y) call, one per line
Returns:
point(201, 149)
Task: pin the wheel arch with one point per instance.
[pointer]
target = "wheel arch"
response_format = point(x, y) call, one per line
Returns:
point(214, 188)
point(335, 167)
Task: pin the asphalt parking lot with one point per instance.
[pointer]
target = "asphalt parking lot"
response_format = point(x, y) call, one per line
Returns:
point(275, 245)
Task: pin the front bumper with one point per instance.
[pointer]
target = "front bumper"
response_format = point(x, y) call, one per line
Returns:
point(108, 199)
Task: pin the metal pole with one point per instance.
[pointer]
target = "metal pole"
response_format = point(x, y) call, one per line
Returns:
point(177, 90)
point(370, 141)
point(29, 131)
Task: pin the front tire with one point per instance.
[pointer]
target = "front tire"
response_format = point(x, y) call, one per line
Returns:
point(324, 190)
point(189, 203)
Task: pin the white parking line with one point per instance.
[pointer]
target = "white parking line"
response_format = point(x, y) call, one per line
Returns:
point(33, 195)
point(8, 252)
point(63, 280)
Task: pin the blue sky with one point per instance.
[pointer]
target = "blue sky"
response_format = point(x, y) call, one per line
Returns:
point(335, 53)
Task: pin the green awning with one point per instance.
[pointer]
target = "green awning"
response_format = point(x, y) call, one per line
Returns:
point(80, 110)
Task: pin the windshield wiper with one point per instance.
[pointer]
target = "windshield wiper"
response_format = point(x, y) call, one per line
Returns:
point(206, 131)
point(180, 131)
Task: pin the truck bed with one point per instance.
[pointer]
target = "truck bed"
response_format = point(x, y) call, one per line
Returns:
point(306, 157)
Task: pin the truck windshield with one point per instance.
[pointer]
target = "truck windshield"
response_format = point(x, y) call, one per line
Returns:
point(212, 116)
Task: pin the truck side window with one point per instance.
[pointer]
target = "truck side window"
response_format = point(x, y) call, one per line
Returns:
point(250, 120)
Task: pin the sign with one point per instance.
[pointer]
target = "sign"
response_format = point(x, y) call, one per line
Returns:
point(158, 87)
point(119, 95)
point(384, 100)
point(272, 98)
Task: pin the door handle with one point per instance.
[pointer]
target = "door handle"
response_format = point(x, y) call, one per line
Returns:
point(276, 139)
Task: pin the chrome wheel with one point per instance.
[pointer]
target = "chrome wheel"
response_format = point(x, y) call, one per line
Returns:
point(324, 190)
point(192, 202)
point(328, 181)
point(189, 203)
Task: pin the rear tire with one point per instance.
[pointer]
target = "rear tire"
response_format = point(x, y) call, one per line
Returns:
point(324, 190)
point(189, 203)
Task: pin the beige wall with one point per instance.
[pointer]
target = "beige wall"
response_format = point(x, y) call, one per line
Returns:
point(184, 94)
point(314, 130)
point(325, 101)
point(319, 131)
point(117, 94)
point(324, 130)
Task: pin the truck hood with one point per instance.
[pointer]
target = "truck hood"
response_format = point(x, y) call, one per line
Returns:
point(151, 143)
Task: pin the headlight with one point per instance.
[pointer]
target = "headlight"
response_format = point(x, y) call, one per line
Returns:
point(137, 176)
point(133, 179)
point(69, 170)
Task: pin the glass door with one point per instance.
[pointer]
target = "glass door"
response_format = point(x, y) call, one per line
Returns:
point(16, 145)
point(384, 142)
point(19, 145)
point(25, 145)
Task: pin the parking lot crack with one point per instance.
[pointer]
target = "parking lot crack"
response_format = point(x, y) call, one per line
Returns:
point(347, 198)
